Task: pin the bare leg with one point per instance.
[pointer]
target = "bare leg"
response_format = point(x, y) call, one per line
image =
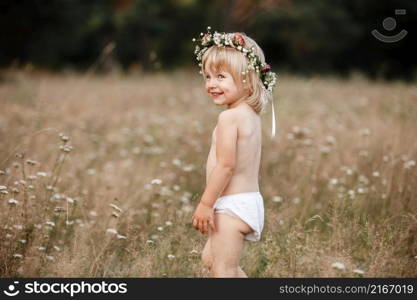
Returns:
point(226, 245)
point(206, 256)
point(207, 260)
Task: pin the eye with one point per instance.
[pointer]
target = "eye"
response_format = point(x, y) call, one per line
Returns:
point(207, 77)
point(221, 76)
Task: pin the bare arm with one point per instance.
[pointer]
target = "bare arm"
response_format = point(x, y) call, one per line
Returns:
point(226, 147)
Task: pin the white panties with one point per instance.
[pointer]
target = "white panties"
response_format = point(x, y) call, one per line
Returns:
point(248, 207)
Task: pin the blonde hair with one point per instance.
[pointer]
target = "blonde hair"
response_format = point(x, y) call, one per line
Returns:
point(218, 58)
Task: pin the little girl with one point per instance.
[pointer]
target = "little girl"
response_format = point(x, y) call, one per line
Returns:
point(231, 208)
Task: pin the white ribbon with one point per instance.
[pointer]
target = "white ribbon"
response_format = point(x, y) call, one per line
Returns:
point(273, 119)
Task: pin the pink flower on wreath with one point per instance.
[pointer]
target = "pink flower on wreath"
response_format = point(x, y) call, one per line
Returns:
point(238, 39)
point(266, 68)
point(205, 39)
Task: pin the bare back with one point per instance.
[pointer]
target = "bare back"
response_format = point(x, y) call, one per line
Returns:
point(248, 155)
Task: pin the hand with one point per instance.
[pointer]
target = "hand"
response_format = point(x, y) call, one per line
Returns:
point(203, 217)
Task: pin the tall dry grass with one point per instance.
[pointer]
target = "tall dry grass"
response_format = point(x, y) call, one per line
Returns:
point(100, 176)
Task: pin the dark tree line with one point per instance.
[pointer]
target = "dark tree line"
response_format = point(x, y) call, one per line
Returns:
point(297, 35)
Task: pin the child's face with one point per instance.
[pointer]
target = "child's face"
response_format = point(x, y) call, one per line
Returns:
point(221, 87)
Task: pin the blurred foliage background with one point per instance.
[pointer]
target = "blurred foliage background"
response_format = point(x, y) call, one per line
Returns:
point(327, 36)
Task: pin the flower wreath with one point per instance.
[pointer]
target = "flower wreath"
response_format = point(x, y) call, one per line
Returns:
point(236, 41)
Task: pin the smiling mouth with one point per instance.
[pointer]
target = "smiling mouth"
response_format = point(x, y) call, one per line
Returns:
point(216, 94)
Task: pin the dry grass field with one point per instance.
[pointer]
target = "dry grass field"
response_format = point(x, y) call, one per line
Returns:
point(99, 177)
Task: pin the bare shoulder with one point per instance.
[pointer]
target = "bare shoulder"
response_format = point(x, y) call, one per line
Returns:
point(226, 119)
point(228, 116)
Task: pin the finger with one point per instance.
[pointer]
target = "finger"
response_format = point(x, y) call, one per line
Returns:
point(202, 226)
point(206, 225)
point(213, 227)
point(199, 225)
point(195, 223)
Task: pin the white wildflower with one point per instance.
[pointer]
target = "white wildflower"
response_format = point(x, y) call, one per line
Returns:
point(50, 223)
point(91, 171)
point(64, 138)
point(324, 149)
point(176, 187)
point(2, 187)
point(409, 164)
point(277, 199)
point(41, 248)
point(160, 228)
point(170, 256)
point(111, 230)
point(150, 242)
point(375, 174)
point(176, 162)
point(333, 181)
point(156, 181)
point(121, 237)
point(363, 179)
point(93, 213)
point(41, 174)
point(362, 190)
point(66, 148)
point(17, 255)
point(338, 266)
point(188, 168)
point(13, 201)
point(184, 199)
point(50, 257)
point(358, 271)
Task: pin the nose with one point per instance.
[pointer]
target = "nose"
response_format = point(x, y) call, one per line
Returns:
point(210, 83)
